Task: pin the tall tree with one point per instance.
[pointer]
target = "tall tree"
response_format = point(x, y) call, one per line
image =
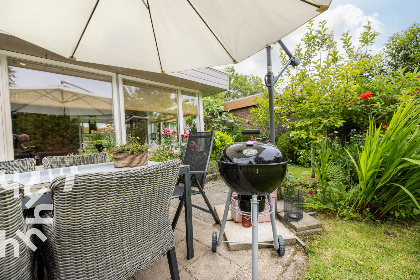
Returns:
point(403, 49)
point(241, 85)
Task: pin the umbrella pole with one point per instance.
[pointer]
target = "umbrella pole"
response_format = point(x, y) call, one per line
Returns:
point(269, 82)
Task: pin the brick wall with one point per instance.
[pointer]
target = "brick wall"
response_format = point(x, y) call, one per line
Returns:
point(242, 113)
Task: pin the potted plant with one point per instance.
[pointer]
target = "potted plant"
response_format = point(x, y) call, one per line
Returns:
point(130, 155)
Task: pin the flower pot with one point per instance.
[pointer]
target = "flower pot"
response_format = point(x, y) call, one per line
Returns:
point(126, 160)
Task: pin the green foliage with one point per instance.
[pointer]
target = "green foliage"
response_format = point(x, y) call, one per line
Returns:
point(331, 191)
point(316, 98)
point(403, 49)
point(387, 93)
point(221, 140)
point(387, 167)
point(241, 85)
point(164, 153)
point(48, 133)
point(132, 148)
point(215, 118)
point(321, 165)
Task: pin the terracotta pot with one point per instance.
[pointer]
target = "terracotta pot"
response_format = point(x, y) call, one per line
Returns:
point(126, 160)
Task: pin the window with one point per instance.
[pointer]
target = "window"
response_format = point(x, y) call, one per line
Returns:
point(148, 111)
point(190, 111)
point(61, 111)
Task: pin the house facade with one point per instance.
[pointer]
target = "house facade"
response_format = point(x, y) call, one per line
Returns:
point(64, 105)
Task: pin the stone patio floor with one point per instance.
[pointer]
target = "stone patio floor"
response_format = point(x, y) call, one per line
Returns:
point(224, 264)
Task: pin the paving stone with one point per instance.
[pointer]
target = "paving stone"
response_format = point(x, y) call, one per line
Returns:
point(203, 231)
point(212, 266)
point(181, 252)
point(306, 225)
point(179, 236)
point(270, 264)
point(184, 275)
point(241, 257)
point(150, 273)
point(236, 232)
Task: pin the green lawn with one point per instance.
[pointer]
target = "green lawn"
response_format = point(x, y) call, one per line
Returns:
point(299, 171)
point(364, 250)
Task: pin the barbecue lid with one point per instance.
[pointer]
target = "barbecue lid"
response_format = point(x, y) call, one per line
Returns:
point(252, 153)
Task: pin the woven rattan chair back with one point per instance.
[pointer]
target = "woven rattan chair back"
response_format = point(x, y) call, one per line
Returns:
point(66, 161)
point(109, 225)
point(17, 166)
point(12, 221)
point(197, 154)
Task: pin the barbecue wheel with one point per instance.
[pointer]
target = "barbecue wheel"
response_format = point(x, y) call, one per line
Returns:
point(281, 249)
point(214, 241)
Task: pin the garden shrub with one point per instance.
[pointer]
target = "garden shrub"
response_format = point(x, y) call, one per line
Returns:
point(388, 168)
point(221, 140)
point(164, 153)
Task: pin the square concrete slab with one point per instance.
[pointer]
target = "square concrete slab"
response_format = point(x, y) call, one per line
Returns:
point(307, 225)
point(236, 232)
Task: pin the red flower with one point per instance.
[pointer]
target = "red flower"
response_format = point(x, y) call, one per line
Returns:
point(366, 95)
point(384, 125)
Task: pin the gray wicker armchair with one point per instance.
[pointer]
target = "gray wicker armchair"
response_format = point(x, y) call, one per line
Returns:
point(11, 220)
point(66, 161)
point(18, 165)
point(111, 224)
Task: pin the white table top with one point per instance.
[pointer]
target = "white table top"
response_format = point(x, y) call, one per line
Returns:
point(32, 178)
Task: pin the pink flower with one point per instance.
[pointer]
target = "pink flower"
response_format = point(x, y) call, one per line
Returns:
point(311, 192)
point(266, 141)
point(174, 131)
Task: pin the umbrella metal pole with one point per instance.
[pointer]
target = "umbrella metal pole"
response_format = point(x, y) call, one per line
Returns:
point(269, 82)
point(222, 227)
point(254, 223)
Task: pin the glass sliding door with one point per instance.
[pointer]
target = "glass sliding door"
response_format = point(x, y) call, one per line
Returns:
point(149, 110)
point(190, 111)
point(58, 111)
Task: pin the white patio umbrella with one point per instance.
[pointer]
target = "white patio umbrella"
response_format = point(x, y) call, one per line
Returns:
point(64, 99)
point(156, 35)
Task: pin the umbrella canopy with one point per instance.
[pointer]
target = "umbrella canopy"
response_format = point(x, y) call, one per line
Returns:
point(64, 99)
point(156, 35)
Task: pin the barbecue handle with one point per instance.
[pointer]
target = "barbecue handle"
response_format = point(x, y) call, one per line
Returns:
point(250, 131)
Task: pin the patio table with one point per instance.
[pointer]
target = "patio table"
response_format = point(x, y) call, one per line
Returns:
point(46, 176)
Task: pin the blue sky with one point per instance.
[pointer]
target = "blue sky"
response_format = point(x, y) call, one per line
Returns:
point(387, 17)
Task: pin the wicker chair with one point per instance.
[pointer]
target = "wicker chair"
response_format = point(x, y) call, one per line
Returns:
point(66, 161)
point(18, 165)
point(197, 156)
point(11, 220)
point(111, 224)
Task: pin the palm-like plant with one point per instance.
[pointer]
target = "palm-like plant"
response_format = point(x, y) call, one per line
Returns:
point(389, 166)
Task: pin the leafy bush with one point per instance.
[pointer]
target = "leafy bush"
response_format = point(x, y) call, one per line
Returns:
point(221, 140)
point(388, 167)
point(164, 153)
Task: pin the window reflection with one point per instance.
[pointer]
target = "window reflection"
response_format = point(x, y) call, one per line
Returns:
point(148, 111)
point(190, 110)
point(61, 111)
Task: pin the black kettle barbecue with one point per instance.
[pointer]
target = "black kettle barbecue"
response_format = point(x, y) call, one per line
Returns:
point(252, 169)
